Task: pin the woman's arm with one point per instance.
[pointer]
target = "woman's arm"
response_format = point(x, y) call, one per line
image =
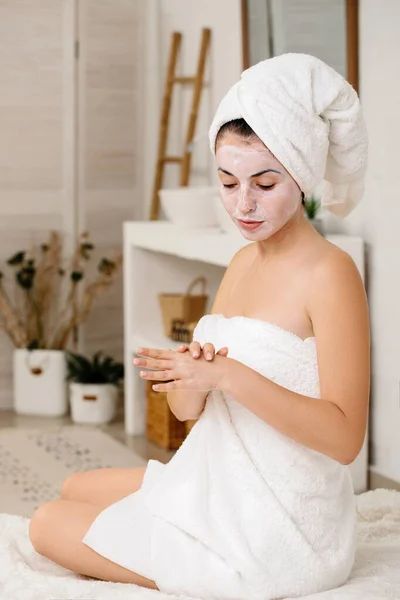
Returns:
point(334, 425)
point(186, 405)
point(189, 404)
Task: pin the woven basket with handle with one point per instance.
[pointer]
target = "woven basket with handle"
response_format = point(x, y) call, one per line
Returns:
point(182, 332)
point(162, 427)
point(187, 307)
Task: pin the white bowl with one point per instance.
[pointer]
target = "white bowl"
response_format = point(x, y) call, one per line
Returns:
point(189, 206)
point(224, 221)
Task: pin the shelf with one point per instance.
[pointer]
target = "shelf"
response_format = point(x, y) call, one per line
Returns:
point(209, 245)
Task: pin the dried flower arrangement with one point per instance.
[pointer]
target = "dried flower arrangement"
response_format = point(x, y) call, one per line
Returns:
point(50, 303)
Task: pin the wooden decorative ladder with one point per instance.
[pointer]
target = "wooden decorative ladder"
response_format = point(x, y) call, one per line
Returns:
point(172, 79)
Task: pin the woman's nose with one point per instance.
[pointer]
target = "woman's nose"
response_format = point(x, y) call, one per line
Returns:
point(246, 202)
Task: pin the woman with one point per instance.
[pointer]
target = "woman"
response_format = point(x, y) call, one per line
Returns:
point(258, 502)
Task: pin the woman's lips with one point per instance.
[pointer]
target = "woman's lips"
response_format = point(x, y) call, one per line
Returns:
point(250, 225)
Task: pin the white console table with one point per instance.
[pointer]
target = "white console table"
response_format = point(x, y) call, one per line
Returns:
point(161, 257)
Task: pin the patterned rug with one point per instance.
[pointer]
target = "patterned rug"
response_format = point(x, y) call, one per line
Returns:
point(35, 462)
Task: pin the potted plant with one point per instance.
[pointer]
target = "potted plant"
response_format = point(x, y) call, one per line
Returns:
point(93, 387)
point(42, 306)
point(312, 207)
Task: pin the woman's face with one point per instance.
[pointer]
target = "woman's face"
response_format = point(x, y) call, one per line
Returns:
point(258, 193)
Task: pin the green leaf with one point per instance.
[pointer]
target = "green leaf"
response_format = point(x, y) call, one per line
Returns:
point(107, 363)
point(17, 259)
point(96, 360)
point(78, 367)
point(33, 345)
point(311, 207)
point(25, 278)
point(76, 275)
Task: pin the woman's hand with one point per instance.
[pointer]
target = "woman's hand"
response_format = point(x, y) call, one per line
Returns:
point(208, 350)
point(185, 373)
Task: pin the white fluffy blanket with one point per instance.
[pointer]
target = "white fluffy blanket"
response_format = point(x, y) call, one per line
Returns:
point(25, 575)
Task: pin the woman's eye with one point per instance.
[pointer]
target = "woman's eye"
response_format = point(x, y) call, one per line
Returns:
point(229, 185)
point(266, 187)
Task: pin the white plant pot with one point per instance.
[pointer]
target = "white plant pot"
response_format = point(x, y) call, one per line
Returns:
point(93, 403)
point(40, 386)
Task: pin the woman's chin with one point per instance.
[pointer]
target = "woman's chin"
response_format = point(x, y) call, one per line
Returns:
point(262, 232)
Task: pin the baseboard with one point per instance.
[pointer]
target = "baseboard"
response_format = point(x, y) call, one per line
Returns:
point(376, 480)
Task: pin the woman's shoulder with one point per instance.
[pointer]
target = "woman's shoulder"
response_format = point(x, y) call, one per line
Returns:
point(336, 282)
point(332, 261)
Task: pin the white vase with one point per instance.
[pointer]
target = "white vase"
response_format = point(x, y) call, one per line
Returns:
point(40, 386)
point(93, 402)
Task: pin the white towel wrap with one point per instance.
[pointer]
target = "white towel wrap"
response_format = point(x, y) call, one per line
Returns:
point(310, 118)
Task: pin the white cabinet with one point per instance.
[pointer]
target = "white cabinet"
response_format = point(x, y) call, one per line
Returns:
point(161, 257)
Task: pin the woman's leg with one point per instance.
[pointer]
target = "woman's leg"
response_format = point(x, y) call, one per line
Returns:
point(102, 487)
point(56, 531)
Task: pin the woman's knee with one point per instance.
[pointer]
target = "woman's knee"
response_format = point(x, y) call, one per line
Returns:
point(40, 524)
point(69, 487)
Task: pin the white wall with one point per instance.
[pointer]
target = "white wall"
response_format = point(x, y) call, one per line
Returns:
point(223, 69)
point(36, 157)
point(109, 143)
point(70, 147)
point(378, 220)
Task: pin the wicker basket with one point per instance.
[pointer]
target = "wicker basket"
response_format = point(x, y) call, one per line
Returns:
point(162, 427)
point(187, 307)
point(181, 331)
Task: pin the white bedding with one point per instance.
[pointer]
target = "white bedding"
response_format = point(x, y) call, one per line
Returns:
point(25, 575)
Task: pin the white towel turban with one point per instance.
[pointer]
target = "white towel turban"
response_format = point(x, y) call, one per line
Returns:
point(310, 118)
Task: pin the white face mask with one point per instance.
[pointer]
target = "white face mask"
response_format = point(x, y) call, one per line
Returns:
point(256, 190)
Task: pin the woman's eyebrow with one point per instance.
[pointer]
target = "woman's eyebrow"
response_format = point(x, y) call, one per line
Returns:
point(255, 174)
point(266, 171)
